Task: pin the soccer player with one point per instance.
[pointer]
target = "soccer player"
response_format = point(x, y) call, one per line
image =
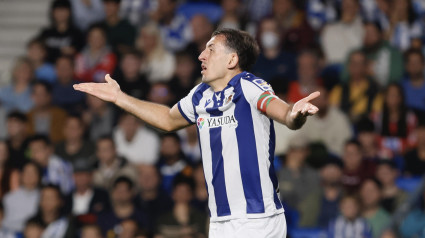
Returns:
point(233, 111)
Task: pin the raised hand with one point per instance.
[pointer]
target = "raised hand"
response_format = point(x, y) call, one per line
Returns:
point(108, 91)
point(304, 108)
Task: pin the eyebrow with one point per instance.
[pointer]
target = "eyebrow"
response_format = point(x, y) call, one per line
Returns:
point(210, 45)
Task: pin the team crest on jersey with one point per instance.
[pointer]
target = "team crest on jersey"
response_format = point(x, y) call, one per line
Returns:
point(262, 84)
point(214, 122)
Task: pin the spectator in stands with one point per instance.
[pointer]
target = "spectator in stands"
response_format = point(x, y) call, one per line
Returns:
point(137, 12)
point(85, 199)
point(55, 170)
point(135, 142)
point(308, 68)
point(356, 168)
point(3, 117)
point(63, 93)
point(340, 38)
point(99, 117)
point(395, 124)
point(414, 223)
point(131, 81)
point(159, 63)
point(414, 83)
point(371, 196)
point(96, 59)
point(74, 145)
point(297, 32)
point(21, 204)
point(119, 32)
point(45, 118)
point(329, 126)
point(190, 144)
point(386, 62)
point(415, 159)
point(404, 24)
point(50, 214)
point(392, 196)
point(359, 95)
point(184, 220)
point(123, 208)
point(172, 160)
point(61, 37)
point(9, 176)
point(200, 195)
point(202, 29)
point(175, 28)
point(91, 231)
point(17, 135)
point(17, 95)
point(296, 178)
point(128, 229)
point(161, 93)
point(368, 139)
point(273, 63)
point(87, 12)
point(33, 229)
point(37, 53)
point(320, 206)
point(349, 222)
point(185, 75)
point(152, 200)
point(233, 17)
point(109, 166)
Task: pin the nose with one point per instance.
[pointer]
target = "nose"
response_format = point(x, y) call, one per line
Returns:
point(201, 57)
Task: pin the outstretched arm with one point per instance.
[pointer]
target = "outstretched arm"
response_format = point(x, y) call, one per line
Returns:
point(157, 115)
point(292, 116)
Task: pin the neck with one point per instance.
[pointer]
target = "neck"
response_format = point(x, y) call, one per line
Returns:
point(123, 209)
point(50, 217)
point(149, 194)
point(219, 84)
point(20, 86)
point(82, 191)
point(61, 26)
point(369, 212)
point(112, 20)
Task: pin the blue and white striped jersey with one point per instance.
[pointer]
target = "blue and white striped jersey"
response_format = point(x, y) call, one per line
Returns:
point(237, 144)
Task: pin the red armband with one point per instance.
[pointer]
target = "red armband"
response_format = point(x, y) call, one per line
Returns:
point(264, 101)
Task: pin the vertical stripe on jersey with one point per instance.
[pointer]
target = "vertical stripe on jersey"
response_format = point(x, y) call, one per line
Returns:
point(272, 173)
point(248, 158)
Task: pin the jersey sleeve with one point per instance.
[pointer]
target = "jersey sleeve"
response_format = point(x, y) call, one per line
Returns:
point(186, 108)
point(259, 94)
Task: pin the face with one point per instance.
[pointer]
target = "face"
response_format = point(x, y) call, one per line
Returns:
point(331, 174)
point(40, 96)
point(415, 66)
point(148, 177)
point(282, 7)
point(349, 9)
point(393, 97)
point(166, 7)
point(349, 208)
point(367, 138)
point(147, 40)
point(201, 28)
point(129, 229)
point(61, 14)
point(105, 151)
point(15, 127)
point(22, 73)
point(357, 65)
point(160, 93)
point(370, 194)
point(307, 66)
point(95, 103)
point(74, 129)
point(64, 70)
point(170, 146)
point(182, 193)
point(40, 152)
point(129, 124)
point(30, 176)
point(216, 60)
point(372, 35)
point(352, 157)
point(185, 67)
point(83, 180)
point(50, 200)
point(33, 231)
point(96, 39)
point(230, 5)
point(90, 232)
point(130, 66)
point(386, 175)
point(121, 193)
point(36, 52)
point(111, 8)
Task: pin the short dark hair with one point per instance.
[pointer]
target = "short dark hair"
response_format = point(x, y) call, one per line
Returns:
point(183, 179)
point(41, 138)
point(123, 179)
point(412, 51)
point(70, 59)
point(244, 44)
point(353, 141)
point(47, 86)
point(18, 116)
point(37, 41)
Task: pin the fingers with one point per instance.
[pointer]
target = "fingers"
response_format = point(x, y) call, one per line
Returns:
point(309, 109)
point(312, 96)
point(84, 87)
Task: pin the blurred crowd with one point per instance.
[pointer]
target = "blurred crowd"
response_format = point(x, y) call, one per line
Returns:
point(72, 165)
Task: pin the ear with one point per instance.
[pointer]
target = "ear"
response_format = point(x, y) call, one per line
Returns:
point(233, 61)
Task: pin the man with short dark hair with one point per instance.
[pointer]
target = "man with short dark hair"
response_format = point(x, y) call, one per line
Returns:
point(414, 83)
point(233, 110)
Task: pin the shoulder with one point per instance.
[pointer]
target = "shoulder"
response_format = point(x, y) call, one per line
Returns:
point(250, 80)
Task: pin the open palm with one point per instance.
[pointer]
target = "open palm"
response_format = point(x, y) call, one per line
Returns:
point(108, 91)
point(303, 107)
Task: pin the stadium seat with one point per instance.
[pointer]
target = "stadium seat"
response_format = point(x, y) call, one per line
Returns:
point(408, 184)
point(212, 11)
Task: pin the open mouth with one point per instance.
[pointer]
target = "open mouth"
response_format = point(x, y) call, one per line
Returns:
point(203, 68)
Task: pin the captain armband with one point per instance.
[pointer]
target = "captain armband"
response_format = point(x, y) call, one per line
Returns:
point(264, 101)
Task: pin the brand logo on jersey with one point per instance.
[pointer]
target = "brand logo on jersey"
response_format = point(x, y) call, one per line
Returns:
point(262, 84)
point(214, 122)
point(200, 122)
point(207, 102)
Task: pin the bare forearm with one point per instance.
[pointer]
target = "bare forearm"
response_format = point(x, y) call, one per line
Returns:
point(154, 114)
point(294, 123)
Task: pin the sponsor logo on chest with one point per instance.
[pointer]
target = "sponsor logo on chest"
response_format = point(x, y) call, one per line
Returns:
point(214, 122)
